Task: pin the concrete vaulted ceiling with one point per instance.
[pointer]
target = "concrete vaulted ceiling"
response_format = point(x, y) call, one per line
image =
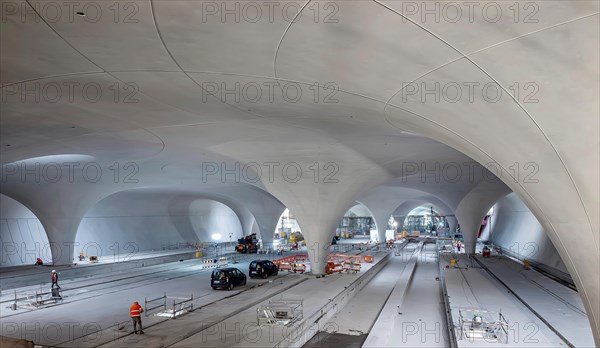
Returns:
point(175, 90)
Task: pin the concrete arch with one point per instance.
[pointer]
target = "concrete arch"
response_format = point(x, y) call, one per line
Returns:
point(374, 126)
point(22, 237)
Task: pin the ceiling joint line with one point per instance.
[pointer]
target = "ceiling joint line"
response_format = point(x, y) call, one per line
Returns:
point(283, 36)
point(162, 40)
point(51, 77)
point(91, 61)
point(569, 174)
point(61, 37)
point(488, 47)
point(535, 203)
point(534, 32)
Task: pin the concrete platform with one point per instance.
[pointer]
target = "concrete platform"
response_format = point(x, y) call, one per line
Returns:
point(361, 312)
point(559, 305)
point(413, 314)
point(23, 276)
point(471, 288)
point(95, 307)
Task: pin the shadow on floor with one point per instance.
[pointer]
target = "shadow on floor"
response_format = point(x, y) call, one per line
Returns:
point(331, 340)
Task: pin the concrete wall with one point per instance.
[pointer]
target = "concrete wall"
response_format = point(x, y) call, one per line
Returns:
point(118, 225)
point(136, 222)
point(515, 228)
point(22, 236)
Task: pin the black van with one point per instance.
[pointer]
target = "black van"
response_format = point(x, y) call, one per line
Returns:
point(227, 278)
point(262, 269)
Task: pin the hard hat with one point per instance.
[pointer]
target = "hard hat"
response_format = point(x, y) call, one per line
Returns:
point(53, 271)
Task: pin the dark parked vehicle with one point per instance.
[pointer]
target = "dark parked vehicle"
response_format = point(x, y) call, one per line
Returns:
point(262, 268)
point(227, 278)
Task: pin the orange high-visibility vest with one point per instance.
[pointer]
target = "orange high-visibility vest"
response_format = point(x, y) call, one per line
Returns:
point(135, 310)
point(54, 277)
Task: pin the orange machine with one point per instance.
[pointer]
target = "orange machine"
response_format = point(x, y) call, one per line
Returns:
point(333, 267)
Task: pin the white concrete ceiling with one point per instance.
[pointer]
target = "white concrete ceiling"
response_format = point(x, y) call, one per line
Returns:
point(165, 56)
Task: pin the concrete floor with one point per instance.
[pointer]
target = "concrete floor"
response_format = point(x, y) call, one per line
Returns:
point(414, 313)
point(560, 306)
point(471, 288)
point(94, 311)
point(95, 307)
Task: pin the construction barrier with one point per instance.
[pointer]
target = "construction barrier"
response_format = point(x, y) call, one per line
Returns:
point(300, 257)
point(284, 266)
point(334, 268)
point(369, 258)
point(215, 263)
point(352, 267)
point(299, 267)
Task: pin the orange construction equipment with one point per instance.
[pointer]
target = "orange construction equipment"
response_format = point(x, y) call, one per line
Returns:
point(334, 268)
point(356, 258)
point(284, 266)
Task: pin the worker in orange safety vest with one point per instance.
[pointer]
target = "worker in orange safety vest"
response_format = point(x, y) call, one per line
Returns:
point(135, 312)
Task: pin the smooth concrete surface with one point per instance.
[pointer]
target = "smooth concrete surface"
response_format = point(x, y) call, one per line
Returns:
point(423, 316)
point(95, 307)
point(413, 315)
point(23, 276)
point(383, 330)
point(515, 228)
point(312, 108)
point(22, 237)
point(328, 295)
point(471, 288)
point(107, 297)
point(560, 306)
point(361, 312)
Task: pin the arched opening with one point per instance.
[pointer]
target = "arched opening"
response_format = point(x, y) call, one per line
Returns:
point(513, 228)
point(358, 222)
point(425, 220)
point(135, 221)
point(22, 235)
point(288, 233)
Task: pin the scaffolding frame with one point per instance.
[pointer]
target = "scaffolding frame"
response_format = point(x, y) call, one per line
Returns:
point(486, 328)
point(280, 312)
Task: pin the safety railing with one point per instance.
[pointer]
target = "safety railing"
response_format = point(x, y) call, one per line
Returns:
point(155, 304)
point(185, 305)
point(280, 312)
point(34, 299)
point(482, 326)
point(179, 306)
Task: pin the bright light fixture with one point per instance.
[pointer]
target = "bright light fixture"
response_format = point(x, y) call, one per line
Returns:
point(216, 236)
